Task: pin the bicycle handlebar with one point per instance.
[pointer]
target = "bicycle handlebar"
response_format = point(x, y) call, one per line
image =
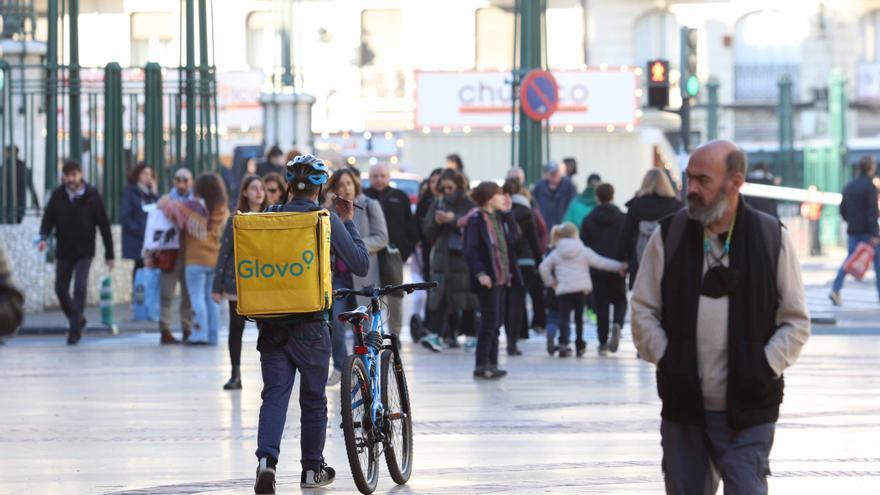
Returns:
point(377, 292)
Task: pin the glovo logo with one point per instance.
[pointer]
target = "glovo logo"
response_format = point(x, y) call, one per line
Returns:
point(248, 269)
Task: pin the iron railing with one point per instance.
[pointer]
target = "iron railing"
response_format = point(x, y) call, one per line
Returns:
point(127, 115)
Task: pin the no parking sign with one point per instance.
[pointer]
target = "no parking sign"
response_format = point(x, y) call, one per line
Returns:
point(539, 94)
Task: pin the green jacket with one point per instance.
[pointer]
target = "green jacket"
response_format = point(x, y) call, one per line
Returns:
point(580, 207)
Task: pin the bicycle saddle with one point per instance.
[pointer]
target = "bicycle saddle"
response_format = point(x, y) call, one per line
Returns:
point(355, 317)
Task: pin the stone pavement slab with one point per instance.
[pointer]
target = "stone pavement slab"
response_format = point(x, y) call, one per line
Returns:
point(122, 415)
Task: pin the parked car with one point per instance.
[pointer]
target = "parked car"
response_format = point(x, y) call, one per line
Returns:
point(408, 183)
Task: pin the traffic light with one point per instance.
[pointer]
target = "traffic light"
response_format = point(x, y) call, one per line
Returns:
point(689, 83)
point(658, 83)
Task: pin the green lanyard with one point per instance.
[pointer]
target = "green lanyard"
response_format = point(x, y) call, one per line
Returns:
point(707, 248)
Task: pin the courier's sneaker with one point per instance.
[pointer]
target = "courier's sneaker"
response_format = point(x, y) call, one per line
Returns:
point(265, 476)
point(334, 378)
point(313, 479)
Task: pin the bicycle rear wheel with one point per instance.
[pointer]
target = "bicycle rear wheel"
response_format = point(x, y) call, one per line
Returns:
point(356, 426)
point(398, 426)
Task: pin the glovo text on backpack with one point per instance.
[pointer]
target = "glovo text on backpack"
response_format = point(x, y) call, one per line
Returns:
point(282, 263)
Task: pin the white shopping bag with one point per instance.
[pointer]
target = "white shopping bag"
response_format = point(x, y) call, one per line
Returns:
point(161, 233)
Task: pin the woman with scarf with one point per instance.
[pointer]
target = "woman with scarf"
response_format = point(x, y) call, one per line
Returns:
point(452, 299)
point(489, 252)
point(202, 220)
point(251, 199)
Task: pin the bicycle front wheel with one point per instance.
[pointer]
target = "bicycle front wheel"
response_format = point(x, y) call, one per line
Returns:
point(398, 424)
point(356, 426)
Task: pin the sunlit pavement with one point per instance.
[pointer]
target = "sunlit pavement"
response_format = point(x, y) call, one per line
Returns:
point(122, 415)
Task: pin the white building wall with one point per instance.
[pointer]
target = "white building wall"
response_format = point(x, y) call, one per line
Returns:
point(620, 158)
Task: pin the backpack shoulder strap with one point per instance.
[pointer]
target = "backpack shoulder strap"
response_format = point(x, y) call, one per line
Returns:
point(672, 230)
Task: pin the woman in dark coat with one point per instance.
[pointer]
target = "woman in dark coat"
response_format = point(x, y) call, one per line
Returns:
point(654, 201)
point(488, 248)
point(528, 257)
point(140, 191)
point(252, 198)
point(448, 267)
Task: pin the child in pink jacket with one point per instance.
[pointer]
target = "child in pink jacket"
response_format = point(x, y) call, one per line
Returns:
point(567, 271)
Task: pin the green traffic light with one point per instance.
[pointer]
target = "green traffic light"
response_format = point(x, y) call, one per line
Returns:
point(692, 85)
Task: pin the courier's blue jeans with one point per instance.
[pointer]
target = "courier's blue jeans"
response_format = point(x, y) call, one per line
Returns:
point(853, 241)
point(303, 347)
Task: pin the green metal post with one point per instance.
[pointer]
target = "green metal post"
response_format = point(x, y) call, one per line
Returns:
point(113, 139)
point(75, 85)
point(837, 105)
point(205, 99)
point(785, 113)
point(712, 117)
point(286, 29)
point(154, 143)
point(191, 88)
point(529, 13)
point(51, 179)
point(838, 170)
point(8, 200)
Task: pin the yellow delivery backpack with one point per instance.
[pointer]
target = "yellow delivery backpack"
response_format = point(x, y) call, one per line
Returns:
point(282, 263)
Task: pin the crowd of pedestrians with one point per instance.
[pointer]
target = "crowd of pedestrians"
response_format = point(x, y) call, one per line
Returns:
point(489, 248)
point(704, 310)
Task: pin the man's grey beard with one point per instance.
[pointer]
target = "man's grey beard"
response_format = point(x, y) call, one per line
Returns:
point(712, 213)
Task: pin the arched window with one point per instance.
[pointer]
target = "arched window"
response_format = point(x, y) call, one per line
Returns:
point(656, 36)
point(870, 27)
point(382, 53)
point(152, 38)
point(494, 38)
point(565, 36)
point(766, 48)
point(263, 42)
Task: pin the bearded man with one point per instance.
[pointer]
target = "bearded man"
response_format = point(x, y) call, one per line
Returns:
point(718, 305)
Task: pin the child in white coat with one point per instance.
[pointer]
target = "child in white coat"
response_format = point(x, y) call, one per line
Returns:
point(567, 271)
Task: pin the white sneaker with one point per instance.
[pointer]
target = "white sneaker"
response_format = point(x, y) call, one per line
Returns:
point(315, 479)
point(334, 378)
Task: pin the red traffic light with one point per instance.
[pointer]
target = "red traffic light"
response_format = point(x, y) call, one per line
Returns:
point(659, 72)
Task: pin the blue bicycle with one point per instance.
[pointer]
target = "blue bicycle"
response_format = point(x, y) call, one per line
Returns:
point(376, 412)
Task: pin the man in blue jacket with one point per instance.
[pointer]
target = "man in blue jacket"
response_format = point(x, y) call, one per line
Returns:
point(859, 210)
point(302, 343)
point(553, 194)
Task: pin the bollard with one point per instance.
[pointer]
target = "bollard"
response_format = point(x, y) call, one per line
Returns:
point(107, 301)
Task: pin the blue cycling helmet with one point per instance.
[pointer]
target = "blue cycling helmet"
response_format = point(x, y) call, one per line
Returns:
point(306, 169)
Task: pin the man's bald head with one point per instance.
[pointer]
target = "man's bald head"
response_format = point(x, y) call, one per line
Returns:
point(716, 172)
point(516, 173)
point(379, 177)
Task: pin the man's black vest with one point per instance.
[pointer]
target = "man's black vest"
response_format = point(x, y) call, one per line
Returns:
point(753, 394)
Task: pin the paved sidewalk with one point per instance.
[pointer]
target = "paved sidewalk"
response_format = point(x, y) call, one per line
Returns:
point(122, 415)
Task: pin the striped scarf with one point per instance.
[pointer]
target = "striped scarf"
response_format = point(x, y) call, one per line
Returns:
point(189, 214)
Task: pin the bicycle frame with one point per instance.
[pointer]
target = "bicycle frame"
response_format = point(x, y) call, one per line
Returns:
point(370, 357)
